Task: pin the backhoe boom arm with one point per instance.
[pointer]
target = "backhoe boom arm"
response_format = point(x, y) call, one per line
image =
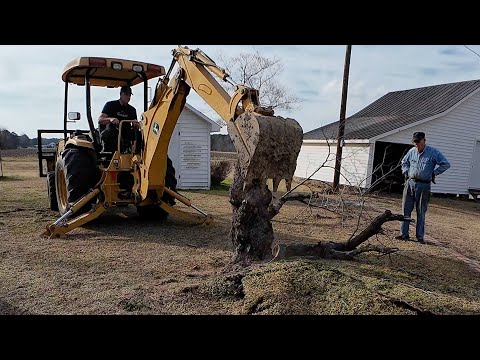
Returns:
point(267, 145)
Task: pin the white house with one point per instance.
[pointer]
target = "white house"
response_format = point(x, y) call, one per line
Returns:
point(377, 137)
point(189, 149)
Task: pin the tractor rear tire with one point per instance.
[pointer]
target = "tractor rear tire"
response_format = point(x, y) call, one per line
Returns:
point(170, 182)
point(76, 174)
point(52, 192)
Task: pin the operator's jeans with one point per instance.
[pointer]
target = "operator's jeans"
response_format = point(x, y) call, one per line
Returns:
point(418, 195)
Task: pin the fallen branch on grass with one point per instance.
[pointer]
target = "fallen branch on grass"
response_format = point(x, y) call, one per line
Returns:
point(342, 251)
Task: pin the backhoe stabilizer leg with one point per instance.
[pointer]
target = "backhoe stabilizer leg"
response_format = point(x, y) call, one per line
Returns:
point(59, 230)
point(201, 218)
point(64, 224)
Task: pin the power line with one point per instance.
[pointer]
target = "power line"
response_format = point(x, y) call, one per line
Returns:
point(472, 51)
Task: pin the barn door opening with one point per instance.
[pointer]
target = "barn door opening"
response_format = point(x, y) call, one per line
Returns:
point(387, 169)
point(474, 182)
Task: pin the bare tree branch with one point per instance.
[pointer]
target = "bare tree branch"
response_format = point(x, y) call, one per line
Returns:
point(261, 73)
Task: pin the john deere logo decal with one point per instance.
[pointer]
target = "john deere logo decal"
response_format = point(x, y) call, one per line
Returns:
point(155, 128)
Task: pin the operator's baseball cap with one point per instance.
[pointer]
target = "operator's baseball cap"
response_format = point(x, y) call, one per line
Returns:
point(126, 90)
point(417, 136)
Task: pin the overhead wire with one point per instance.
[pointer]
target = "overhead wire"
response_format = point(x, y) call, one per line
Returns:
point(472, 51)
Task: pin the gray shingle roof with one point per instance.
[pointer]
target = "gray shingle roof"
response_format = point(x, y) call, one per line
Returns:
point(397, 109)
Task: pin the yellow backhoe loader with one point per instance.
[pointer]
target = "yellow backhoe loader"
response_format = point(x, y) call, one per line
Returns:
point(84, 181)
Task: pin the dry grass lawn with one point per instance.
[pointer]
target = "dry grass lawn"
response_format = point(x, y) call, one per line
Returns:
point(121, 264)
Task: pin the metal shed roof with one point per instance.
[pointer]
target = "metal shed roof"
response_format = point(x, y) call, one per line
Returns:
point(398, 109)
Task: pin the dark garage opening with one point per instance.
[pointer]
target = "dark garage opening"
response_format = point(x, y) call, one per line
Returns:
point(387, 168)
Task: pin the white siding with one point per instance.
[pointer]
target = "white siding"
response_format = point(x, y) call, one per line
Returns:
point(194, 152)
point(455, 135)
point(193, 163)
point(354, 169)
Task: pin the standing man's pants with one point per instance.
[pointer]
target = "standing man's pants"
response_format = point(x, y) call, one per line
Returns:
point(418, 195)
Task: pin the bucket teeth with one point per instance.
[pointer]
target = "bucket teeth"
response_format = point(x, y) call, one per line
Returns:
point(267, 147)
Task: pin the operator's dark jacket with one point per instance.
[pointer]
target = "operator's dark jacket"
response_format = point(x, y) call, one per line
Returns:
point(109, 132)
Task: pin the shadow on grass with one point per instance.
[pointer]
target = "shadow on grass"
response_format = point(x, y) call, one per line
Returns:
point(8, 309)
point(126, 225)
point(10, 178)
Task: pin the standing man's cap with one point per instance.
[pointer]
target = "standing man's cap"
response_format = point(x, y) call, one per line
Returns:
point(418, 136)
point(126, 90)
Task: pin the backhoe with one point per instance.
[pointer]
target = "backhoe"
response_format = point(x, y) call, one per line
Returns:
point(84, 181)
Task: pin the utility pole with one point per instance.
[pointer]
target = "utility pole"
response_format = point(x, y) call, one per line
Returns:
point(341, 124)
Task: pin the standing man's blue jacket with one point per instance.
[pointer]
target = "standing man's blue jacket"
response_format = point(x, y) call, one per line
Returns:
point(422, 166)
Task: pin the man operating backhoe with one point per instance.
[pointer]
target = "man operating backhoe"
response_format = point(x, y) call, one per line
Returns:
point(113, 112)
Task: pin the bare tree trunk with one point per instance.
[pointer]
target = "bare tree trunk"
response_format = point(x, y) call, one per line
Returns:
point(251, 231)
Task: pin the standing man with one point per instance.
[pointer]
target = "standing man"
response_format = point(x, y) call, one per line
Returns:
point(418, 168)
point(113, 112)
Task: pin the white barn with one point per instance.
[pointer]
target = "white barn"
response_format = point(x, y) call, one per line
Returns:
point(449, 114)
point(189, 149)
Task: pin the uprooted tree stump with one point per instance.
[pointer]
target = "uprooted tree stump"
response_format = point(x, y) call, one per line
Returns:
point(251, 231)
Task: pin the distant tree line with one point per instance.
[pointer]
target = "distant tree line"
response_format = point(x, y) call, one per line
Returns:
point(10, 140)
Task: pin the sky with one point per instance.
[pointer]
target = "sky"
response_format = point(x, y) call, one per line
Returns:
point(32, 91)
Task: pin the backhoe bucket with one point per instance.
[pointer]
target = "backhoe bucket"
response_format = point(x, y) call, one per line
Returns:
point(267, 147)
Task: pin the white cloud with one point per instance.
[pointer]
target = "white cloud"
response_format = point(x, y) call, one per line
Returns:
point(333, 87)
